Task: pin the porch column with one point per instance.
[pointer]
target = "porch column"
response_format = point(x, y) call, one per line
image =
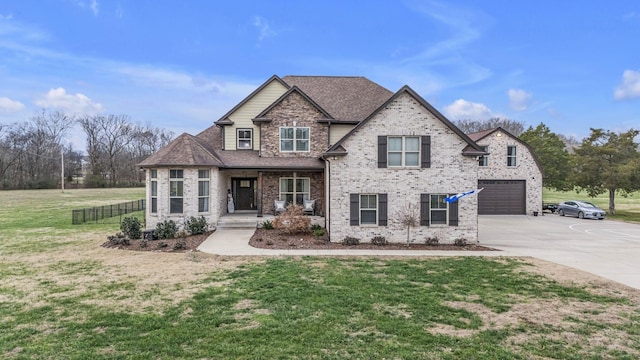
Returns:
point(259, 194)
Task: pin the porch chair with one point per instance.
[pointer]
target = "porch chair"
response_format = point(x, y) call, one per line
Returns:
point(278, 207)
point(309, 207)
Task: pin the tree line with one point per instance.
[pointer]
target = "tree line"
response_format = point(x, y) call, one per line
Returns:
point(603, 162)
point(33, 153)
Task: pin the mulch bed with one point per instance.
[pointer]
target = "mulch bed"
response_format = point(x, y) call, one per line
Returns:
point(276, 239)
point(178, 245)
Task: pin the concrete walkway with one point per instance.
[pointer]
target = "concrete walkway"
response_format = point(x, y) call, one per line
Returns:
point(236, 242)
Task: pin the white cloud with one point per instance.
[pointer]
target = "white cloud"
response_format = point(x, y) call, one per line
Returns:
point(119, 12)
point(630, 87)
point(263, 26)
point(6, 17)
point(9, 105)
point(519, 99)
point(462, 110)
point(92, 5)
point(75, 104)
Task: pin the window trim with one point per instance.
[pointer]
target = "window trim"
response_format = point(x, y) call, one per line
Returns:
point(238, 147)
point(512, 158)
point(483, 160)
point(404, 152)
point(295, 139)
point(437, 209)
point(153, 190)
point(174, 178)
point(360, 209)
point(295, 193)
point(201, 197)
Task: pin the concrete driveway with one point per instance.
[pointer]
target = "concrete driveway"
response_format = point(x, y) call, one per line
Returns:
point(605, 248)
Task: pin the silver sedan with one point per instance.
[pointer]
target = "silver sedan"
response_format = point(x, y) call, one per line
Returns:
point(581, 209)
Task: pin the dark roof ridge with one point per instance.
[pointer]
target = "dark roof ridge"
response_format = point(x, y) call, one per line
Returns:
point(289, 92)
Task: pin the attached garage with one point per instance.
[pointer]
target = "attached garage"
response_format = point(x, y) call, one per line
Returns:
point(502, 197)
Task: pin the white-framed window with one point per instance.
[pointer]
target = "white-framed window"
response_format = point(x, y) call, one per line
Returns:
point(403, 151)
point(511, 155)
point(203, 190)
point(295, 190)
point(368, 209)
point(294, 139)
point(438, 209)
point(484, 159)
point(154, 190)
point(245, 139)
point(176, 191)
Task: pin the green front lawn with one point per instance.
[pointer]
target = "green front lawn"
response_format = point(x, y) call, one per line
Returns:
point(62, 296)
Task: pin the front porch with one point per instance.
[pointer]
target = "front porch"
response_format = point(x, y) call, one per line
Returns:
point(250, 219)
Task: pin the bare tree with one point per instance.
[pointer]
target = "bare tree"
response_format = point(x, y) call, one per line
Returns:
point(472, 126)
point(409, 216)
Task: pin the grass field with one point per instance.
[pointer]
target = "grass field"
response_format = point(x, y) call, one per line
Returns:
point(627, 207)
point(62, 296)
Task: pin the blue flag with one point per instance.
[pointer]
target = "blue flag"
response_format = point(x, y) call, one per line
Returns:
point(454, 198)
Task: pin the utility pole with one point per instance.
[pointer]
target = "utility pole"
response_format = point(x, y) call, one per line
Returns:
point(62, 173)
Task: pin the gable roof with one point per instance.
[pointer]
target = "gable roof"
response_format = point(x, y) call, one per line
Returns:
point(260, 117)
point(472, 149)
point(224, 120)
point(486, 133)
point(345, 98)
point(185, 150)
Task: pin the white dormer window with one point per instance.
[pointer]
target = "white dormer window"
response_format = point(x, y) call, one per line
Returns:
point(245, 139)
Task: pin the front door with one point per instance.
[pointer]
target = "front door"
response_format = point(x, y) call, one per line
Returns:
point(244, 193)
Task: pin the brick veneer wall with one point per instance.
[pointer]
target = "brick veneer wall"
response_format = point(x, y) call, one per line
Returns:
point(293, 111)
point(190, 197)
point(357, 172)
point(525, 169)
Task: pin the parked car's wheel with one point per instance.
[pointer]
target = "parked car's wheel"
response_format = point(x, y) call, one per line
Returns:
point(580, 215)
point(561, 212)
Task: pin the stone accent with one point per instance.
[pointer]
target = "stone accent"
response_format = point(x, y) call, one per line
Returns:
point(296, 111)
point(271, 188)
point(190, 197)
point(526, 167)
point(357, 172)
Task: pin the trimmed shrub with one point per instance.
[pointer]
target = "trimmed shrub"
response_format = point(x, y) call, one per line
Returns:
point(460, 242)
point(196, 225)
point(166, 230)
point(293, 221)
point(131, 227)
point(350, 241)
point(432, 241)
point(379, 240)
point(267, 225)
point(319, 232)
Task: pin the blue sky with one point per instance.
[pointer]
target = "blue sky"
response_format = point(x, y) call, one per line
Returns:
point(182, 64)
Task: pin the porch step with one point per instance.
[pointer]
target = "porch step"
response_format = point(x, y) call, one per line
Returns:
point(238, 222)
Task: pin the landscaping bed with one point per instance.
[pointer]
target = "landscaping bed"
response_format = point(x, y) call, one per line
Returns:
point(277, 239)
point(182, 244)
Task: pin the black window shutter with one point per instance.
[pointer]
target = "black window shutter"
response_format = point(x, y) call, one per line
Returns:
point(453, 213)
point(426, 151)
point(382, 209)
point(382, 151)
point(354, 209)
point(424, 209)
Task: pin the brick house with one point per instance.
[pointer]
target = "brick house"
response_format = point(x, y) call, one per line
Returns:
point(510, 175)
point(363, 153)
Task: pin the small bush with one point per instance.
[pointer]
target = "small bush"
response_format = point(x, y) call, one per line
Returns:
point(196, 225)
point(119, 239)
point(432, 241)
point(379, 240)
point(144, 244)
point(181, 234)
point(460, 242)
point(315, 227)
point(162, 245)
point(131, 227)
point(180, 245)
point(166, 230)
point(319, 232)
point(350, 241)
point(293, 221)
point(267, 225)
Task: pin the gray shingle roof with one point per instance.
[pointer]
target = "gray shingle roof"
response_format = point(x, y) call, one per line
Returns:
point(185, 150)
point(348, 98)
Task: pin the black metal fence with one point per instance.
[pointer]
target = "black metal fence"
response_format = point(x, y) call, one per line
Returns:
point(107, 211)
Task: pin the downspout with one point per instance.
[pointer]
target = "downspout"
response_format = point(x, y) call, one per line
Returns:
point(327, 194)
